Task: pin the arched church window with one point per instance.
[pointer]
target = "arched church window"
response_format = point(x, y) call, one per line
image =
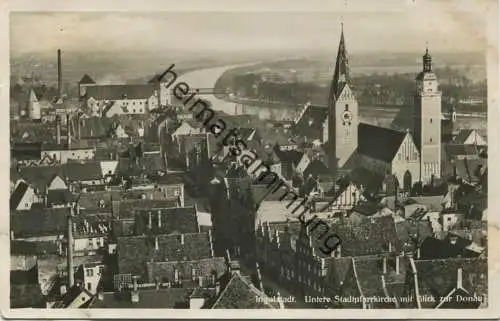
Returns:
point(431, 120)
point(430, 140)
point(346, 107)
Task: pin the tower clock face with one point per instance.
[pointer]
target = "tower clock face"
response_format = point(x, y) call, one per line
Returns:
point(347, 118)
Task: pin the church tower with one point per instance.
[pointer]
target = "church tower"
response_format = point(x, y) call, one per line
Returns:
point(427, 121)
point(342, 123)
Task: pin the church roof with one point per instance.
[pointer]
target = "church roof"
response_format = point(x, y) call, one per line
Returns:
point(86, 80)
point(379, 142)
point(310, 124)
point(341, 74)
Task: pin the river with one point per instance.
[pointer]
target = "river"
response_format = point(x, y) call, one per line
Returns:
point(206, 78)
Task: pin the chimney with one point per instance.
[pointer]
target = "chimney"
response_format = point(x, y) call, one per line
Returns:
point(210, 240)
point(397, 264)
point(459, 278)
point(182, 239)
point(259, 276)
point(280, 301)
point(150, 220)
point(217, 288)
point(78, 126)
point(390, 247)
point(58, 130)
point(157, 283)
point(157, 247)
point(384, 265)
point(159, 218)
point(100, 295)
point(418, 253)
point(69, 254)
point(176, 275)
point(59, 73)
point(68, 123)
point(200, 281)
point(339, 251)
point(135, 293)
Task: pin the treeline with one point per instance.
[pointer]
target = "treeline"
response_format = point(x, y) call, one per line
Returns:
point(374, 89)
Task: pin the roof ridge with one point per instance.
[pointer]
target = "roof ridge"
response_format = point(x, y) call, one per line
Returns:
point(233, 277)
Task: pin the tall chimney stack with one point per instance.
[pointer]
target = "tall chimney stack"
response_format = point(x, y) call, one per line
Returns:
point(68, 122)
point(59, 73)
point(58, 130)
point(69, 254)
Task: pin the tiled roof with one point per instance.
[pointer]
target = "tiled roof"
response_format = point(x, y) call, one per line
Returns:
point(59, 197)
point(410, 229)
point(126, 208)
point(433, 248)
point(97, 199)
point(369, 237)
point(378, 142)
point(134, 252)
point(462, 135)
point(39, 222)
point(316, 168)
point(205, 268)
point(17, 195)
point(164, 298)
point(369, 279)
point(311, 122)
point(116, 92)
point(26, 151)
point(32, 132)
point(18, 247)
point(173, 220)
point(83, 171)
point(438, 277)
point(454, 150)
point(239, 293)
point(86, 80)
point(26, 296)
point(40, 176)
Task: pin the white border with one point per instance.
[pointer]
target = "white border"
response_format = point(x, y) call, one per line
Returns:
point(489, 8)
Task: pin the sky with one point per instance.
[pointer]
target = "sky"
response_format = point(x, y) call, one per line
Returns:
point(405, 30)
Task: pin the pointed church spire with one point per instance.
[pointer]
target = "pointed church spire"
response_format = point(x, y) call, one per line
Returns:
point(341, 74)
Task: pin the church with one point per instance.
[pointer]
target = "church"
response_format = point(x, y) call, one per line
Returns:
point(412, 155)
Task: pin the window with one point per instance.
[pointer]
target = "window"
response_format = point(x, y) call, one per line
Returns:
point(431, 120)
point(133, 110)
point(430, 140)
point(91, 242)
point(89, 286)
point(90, 272)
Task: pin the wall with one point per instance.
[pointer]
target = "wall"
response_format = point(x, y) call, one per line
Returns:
point(407, 159)
point(64, 155)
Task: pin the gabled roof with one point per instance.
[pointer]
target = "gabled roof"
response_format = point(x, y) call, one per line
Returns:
point(316, 169)
point(173, 220)
point(117, 92)
point(40, 176)
point(39, 222)
point(26, 296)
point(378, 142)
point(86, 80)
point(454, 150)
point(310, 123)
point(135, 251)
point(126, 208)
point(18, 194)
point(85, 171)
point(164, 298)
point(239, 293)
point(205, 268)
point(438, 277)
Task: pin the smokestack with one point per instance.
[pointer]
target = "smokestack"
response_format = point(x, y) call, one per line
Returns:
point(135, 293)
point(68, 123)
point(59, 73)
point(69, 254)
point(58, 130)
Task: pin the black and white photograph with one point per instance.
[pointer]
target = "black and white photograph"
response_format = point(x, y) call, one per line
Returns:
point(250, 159)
